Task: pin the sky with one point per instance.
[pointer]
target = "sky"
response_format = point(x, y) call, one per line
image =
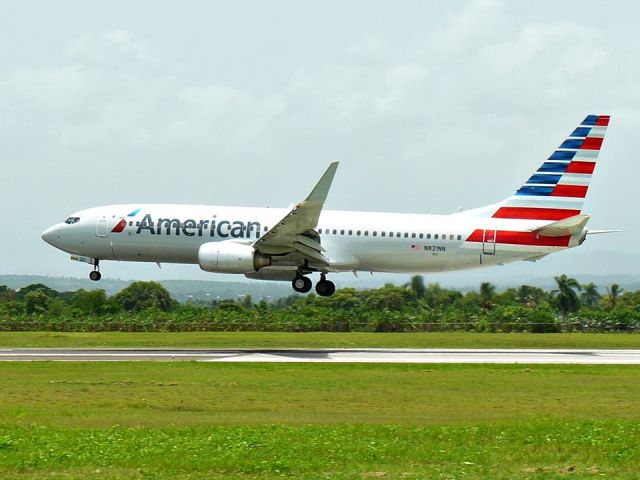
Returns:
point(429, 106)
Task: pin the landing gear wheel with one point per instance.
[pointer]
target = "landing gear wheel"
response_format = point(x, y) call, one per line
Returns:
point(301, 284)
point(95, 275)
point(325, 288)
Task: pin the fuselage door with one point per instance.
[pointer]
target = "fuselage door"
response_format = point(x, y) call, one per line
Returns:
point(489, 242)
point(102, 227)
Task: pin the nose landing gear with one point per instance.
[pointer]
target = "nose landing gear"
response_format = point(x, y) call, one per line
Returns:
point(95, 275)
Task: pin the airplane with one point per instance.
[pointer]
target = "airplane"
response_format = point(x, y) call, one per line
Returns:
point(543, 216)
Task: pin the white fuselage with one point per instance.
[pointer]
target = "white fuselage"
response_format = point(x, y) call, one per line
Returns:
point(354, 241)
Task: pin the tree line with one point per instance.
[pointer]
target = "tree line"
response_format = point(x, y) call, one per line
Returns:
point(415, 306)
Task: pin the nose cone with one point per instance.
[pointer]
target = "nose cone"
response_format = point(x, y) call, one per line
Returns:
point(51, 235)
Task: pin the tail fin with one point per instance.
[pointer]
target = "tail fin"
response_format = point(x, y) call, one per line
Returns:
point(557, 189)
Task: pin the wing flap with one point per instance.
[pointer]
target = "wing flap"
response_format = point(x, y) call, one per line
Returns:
point(310, 242)
point(310, 253)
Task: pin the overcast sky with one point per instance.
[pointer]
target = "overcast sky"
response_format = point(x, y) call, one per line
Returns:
point(429, 106)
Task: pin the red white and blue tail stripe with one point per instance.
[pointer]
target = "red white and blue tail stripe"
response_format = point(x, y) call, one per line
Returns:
point(558, 188)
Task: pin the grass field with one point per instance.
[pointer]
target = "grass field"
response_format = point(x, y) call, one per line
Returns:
point(264, 421)
point(319, 340)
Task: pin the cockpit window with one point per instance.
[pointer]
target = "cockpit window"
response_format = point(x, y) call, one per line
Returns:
point(71, 220)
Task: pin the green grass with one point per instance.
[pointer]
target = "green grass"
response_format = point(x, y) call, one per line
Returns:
point(536, 451)
point(263, 421)
point(188, 394)
point(319, 340)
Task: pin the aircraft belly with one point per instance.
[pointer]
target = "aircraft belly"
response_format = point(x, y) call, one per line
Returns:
point(101, 248)
point(413, 258)
point(157, 249)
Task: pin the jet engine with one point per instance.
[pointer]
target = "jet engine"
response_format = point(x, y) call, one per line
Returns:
point(231, 257)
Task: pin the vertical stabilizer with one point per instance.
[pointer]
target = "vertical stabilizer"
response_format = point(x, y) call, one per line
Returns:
point(558, 188)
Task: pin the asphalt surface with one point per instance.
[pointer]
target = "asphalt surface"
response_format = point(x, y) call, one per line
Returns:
point(372, 355)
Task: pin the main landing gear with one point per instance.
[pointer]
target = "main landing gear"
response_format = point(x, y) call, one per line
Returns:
point(95, 275)
point(324, 288)
point(301, 284)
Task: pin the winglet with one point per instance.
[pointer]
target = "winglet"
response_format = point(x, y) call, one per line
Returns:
point(319, 193)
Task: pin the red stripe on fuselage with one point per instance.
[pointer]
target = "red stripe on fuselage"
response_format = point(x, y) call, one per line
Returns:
point(532, 213)
point(578, 191)
point(521, 238)
point(581, 167)
point(476, 236)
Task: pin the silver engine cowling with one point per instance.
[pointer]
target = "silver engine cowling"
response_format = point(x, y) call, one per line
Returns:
point(231, 257)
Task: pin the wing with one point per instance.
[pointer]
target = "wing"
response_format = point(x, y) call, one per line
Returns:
point(296, 233)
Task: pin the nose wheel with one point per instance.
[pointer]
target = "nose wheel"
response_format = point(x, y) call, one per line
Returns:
point(95, 275)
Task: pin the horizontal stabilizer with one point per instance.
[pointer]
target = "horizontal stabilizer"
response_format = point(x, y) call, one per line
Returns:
point(595, 232)
point(561, 228)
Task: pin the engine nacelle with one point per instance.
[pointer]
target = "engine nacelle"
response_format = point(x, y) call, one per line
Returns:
point(231, 257)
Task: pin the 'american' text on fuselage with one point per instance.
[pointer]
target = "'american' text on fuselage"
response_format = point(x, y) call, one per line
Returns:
point(192, 228)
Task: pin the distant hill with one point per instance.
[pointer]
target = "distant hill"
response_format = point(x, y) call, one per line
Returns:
point(200, 290)
point(181, 290)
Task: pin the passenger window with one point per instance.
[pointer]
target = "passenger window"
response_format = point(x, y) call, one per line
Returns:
point(435, 236)
point(413, 235)
point(421, 235)
point(398, 235)
point(335, 231)
point(382, 233)
point(406, 235)
point(459, 237)
point(366, 233)
point(358, 232)
point(375, 234)
point(341, 232)
point(450, 237)
point(350, 232)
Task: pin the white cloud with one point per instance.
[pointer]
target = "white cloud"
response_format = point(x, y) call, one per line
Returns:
point(113, 46)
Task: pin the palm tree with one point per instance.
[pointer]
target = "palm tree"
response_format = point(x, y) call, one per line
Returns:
point(417, 285)
point(529, 296)
point(566, 295)
point(612, 295)
point(487, 295)
point(590, 295)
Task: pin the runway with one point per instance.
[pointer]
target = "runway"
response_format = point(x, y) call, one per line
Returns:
point(371, 355)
